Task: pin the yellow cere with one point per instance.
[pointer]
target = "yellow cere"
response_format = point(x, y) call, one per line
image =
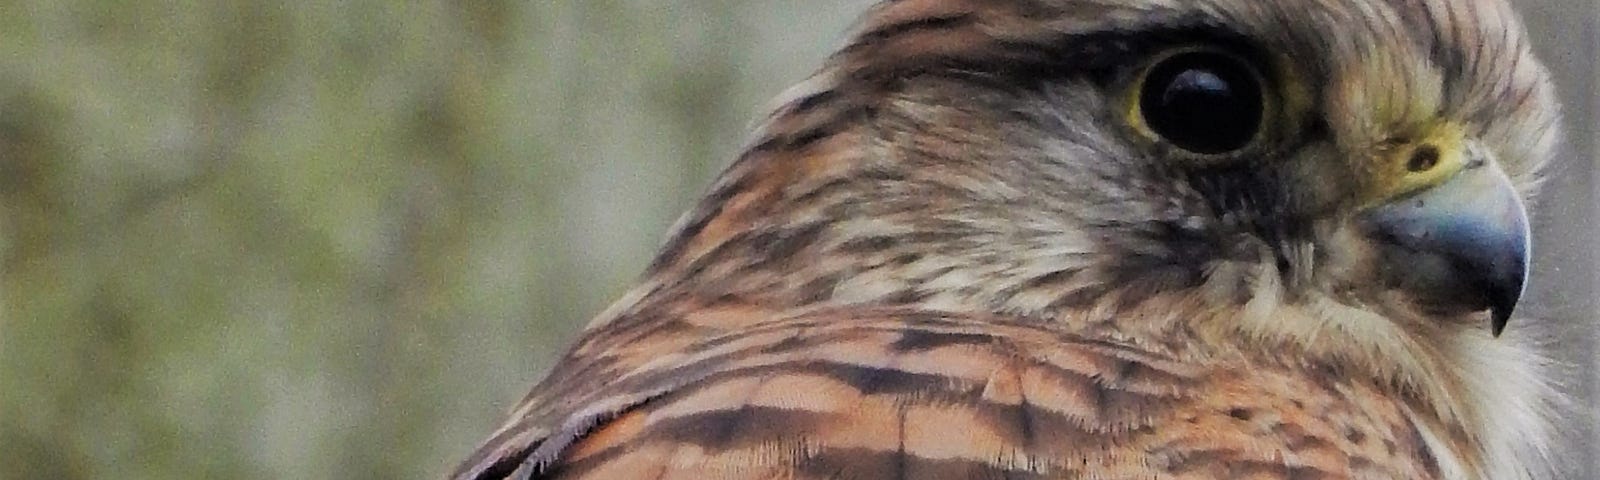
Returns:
point(1420, 163)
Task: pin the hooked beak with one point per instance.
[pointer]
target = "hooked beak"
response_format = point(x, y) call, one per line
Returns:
point(1470, 233)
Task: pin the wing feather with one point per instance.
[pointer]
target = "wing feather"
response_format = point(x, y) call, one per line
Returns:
point(911, 394)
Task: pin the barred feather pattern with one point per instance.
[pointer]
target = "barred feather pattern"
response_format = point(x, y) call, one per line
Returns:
point(866, 393)
point(940, 258)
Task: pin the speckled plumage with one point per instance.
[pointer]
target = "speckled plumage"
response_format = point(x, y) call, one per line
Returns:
point(947, 255)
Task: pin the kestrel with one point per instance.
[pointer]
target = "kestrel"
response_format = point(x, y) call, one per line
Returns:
point(1110, 239)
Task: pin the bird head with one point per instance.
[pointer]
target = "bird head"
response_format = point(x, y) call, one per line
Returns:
point(1336, 184)
point(1340, 182)
point(1364, 162)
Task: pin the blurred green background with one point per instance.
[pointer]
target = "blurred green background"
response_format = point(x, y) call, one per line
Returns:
point(338, 239)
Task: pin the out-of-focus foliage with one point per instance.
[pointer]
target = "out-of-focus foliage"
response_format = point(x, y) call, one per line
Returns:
point(331, 239)
point(334, 239)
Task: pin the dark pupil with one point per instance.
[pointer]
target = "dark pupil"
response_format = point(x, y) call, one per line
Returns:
point(1202, 102)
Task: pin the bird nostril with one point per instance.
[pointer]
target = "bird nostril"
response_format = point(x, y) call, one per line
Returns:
point(1423, 159)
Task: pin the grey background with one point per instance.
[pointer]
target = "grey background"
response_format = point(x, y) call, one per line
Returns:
point(1566, 276)
point(337, 239)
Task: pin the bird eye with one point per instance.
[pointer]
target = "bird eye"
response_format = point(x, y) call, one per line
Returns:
point(1204, 102)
